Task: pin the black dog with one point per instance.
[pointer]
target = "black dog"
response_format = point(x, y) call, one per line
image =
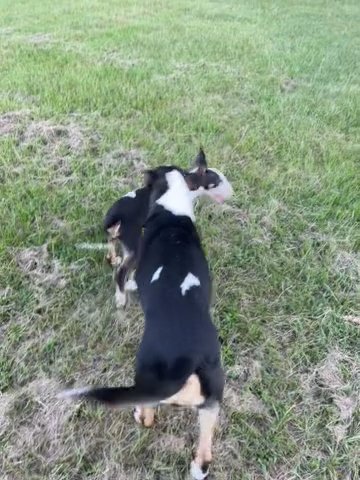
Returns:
point(178, 361)
point(125, 219)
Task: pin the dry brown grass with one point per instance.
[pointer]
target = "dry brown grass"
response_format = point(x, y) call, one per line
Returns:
point(328, 383)
point(42, 270)
point(55, 139)
point(11, 123)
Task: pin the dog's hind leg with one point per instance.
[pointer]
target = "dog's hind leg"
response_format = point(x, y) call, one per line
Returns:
point(208, 416)
point(144, 416)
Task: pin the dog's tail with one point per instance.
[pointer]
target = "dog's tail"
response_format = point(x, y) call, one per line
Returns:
point(113, 396)
point(148, 390)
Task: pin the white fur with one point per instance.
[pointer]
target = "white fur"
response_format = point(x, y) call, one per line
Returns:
point(220, 193)
point(120, 298)
point(73, 392)
point(194, 194)
point(177, 198)
point(223, 191)
point(156, 274)
point(196, 472)
point(131, 286)
point(137, 415)
point(92, 246)
point(130, 194)
point(189, 281)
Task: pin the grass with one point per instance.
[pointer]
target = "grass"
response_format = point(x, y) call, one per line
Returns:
point(90, 92)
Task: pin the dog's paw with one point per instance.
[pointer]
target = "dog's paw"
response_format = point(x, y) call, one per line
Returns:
point(138, 415)
point(199, 472)
point(120, 299)
point(144, 416)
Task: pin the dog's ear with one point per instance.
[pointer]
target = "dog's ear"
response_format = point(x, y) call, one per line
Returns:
point(200, 162)
point(149, 177)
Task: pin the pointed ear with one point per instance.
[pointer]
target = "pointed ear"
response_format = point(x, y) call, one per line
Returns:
point(200, 162)
point(149, 177)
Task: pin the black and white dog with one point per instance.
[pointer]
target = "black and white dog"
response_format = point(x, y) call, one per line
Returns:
point(125, 220)
point(178, 361)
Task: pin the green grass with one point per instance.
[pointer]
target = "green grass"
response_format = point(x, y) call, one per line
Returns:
point(271, 89)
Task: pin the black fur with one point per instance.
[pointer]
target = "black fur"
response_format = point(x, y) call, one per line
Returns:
point(131, 212)
point(179, 337)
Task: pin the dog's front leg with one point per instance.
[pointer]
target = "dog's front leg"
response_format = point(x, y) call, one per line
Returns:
point(113, 239)
point(207, 420)
point(127, 265)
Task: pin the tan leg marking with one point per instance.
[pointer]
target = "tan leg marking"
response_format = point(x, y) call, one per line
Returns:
point(112, 256)
point(189, 396)
point(207, 421)
point(145, 416)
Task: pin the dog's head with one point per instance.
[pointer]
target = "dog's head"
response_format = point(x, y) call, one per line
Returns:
point(201, 180)
point(210, 181)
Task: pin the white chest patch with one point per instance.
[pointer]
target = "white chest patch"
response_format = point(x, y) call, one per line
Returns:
point(189, 281)
point(156, 274)
point(131, 194)
point(177, 198)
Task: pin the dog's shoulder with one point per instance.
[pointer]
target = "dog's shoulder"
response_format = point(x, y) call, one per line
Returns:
point(130, 207)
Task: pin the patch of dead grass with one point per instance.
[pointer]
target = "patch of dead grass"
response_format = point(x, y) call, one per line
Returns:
point(11, 123)
point(41, 420)
point(329, 382)
point(117, 59)
point(289, 85)
point(56, 144)
point(134, 159)
point(355, 319)
point(43, 271)
point(347, 263)
point(54, 137)
point(39, 39)
point(247, 371)
point(169, 442)
point(237, 400)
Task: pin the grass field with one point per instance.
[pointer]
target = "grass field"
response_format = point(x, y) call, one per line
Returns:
point(91, 93)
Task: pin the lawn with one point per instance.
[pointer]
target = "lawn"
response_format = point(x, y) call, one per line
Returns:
point(90, 94)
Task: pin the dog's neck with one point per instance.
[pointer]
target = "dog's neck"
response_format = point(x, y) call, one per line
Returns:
point(177, 198)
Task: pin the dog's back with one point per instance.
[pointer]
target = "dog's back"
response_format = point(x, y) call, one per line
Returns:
point(175, 289)
point(130, 209)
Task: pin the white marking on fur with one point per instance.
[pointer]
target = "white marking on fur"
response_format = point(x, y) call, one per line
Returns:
point(130, 194)
point(137, 414)
point(120, 298)
point(177, 198)
point(156, 274)
point(73, 392)
point(223, 191)
point(196, 471)
point(91, 246)
point(194, 194)
point(131, 286)
point(189, 281)
point(220, 193)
